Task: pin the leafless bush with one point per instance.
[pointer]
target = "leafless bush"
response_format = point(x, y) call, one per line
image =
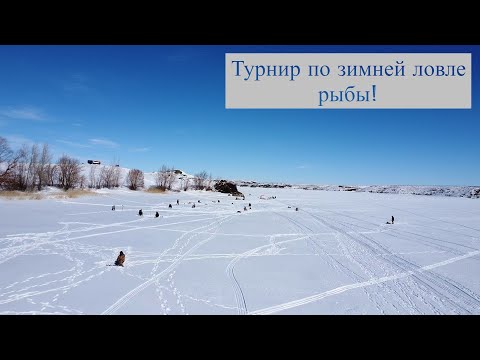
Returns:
point(69, 172)
point(135, 179)
point(165, 177)
point(199, 180)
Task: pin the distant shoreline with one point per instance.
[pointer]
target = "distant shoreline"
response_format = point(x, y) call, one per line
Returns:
point(426, 190)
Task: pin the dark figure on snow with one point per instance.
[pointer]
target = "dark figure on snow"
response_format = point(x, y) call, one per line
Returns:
point(249, 205)
point(296, 209)
point(157, 214)
point(140, 212)
point(393, 219)
point(113, 207)
point(178, 202)
point(193, 206)
point(169, 206)
point(120, 259)
point(198, 200)
point(218, 200)
point(244, 208)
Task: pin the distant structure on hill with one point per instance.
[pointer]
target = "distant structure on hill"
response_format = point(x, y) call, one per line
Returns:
point(95, 162)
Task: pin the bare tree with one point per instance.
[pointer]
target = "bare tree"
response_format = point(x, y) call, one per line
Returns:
point(135, 179)
point(94, 183)
point(164, 178)
point(186, 184)
point(21, 170)
point(69, 172)
point(52, 174)
point(199, 180)
point(41, 167)
point(82, 181)
point(9, 160)
point(209, 182)
point(32, 175)
point(117, 174)
point(108, 176)
point(5, 151)
point(170, 177)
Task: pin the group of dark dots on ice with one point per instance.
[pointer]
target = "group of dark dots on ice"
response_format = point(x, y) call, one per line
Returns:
point(121, 257)
point(140, 212)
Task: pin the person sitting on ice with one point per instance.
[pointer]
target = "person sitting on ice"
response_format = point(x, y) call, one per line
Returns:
point(140, 212)
point(113, 208)
point(157, 214)
point(120, 259)
point(169, 206)
point(393, 219)
point(178, 202)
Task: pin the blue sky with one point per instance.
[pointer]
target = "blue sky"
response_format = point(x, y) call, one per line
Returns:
point(144, 106)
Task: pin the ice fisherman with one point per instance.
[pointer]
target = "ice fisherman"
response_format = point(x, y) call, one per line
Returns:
point(120, 259)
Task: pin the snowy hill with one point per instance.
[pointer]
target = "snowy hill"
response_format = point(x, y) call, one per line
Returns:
point(453, 191)
point(149, 177)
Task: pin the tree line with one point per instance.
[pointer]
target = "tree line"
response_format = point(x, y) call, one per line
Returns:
point(31, 168)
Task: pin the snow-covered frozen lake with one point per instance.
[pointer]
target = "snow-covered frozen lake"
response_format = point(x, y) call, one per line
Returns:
point(336, 255)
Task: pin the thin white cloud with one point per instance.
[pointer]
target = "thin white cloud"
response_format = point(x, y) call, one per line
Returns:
point(103, 142)
point(77, 124)
point(23, 113)
point(74, 144)
point(17, 141)
point(144, 149)
point(303, 166)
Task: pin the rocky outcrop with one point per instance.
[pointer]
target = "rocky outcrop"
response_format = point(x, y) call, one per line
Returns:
point(227, 187)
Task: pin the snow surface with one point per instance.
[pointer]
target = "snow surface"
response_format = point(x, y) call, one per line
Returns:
point(336, 255)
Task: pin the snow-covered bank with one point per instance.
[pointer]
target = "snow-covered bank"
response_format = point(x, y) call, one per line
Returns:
point(454, 191)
